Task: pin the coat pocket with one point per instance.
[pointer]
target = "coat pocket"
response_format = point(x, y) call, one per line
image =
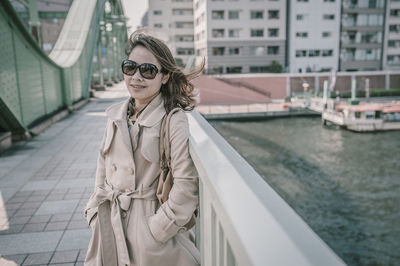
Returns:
point(91, 215)
point(189, 246)
point(151, 144)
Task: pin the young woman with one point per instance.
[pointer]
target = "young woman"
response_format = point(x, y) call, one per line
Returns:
point(129, 225)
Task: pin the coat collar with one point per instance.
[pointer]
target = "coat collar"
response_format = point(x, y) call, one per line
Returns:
point(152, 114)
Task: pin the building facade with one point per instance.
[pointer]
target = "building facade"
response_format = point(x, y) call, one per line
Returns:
point(391, 58)
point(362, 30)
point(255, 36)
point(174, 18)
point(313, 37)
point(240, 36)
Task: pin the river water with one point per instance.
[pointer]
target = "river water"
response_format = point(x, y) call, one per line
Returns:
point(345, 185)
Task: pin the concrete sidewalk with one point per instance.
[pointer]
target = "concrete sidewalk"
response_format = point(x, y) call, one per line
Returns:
point(45, 183)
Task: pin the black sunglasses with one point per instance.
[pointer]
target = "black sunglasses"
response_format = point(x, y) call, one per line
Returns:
point(147, 70)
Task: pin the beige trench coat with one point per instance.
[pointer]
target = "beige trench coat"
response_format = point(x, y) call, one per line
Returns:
point(129, 226)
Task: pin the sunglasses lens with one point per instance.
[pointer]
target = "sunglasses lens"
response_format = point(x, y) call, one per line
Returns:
point(148, 71)
point(129, 67)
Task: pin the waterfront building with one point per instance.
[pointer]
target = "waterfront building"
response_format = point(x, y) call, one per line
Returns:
point(237, 36)
point(391, 58)
point(362, 28)
point(313, 38)
point(175, 19)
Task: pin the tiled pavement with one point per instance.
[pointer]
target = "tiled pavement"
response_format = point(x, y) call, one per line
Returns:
point(45, 183)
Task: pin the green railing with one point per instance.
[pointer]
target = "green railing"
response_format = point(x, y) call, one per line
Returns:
point(33, 85)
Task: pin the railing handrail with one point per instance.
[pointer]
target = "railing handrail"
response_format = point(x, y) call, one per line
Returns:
point(257, 226)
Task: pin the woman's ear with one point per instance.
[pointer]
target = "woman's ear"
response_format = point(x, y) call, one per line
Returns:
point(165, 78)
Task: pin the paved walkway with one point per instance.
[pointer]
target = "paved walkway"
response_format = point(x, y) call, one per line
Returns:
point(44, 185)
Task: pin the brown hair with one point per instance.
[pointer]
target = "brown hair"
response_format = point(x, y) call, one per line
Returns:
point(178, 91)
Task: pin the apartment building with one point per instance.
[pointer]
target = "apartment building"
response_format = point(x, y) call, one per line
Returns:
point(362, 30)
point(240, 36)
point(174, 18)
point(391, 57)
point(313, 38)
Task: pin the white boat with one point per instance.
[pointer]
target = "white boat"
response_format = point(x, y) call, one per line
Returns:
point(364, 117)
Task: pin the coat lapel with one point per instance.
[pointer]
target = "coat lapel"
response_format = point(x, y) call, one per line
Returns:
point(151, 115)
point(117, 113)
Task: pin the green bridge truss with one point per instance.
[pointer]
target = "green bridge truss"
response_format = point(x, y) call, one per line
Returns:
point(34, 85)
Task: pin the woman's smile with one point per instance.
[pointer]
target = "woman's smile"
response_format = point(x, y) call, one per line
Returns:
point(137, 87)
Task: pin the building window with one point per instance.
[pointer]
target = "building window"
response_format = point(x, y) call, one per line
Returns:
point(257, 14)
point(217, 70)
point(182, 12)
point(185, 51)
point(218, 50)
point(300, 16)
point(394, 28)
point(395, 12)
point(326, 34)
point(301, 53)
point(328, 17)
point(304, 1)
point(329, 1)
point(233, 14)
point(327, 52)
point(233, 70)
point(157, 12)
point(184, 38)
point(234, 50)
point(257, 50)
point(218, 14)
point(273, 32)
point(186, 25)
point(258, 69)
point(234, 33)
point(218, 33)
point(302, 34)
point(313, 53)
point(158, 25)
point(364, 54)
point(370, 37)
point(273, 14)
point(257, 33)
point(273, 50)
point(393, 59)
point(394, 43)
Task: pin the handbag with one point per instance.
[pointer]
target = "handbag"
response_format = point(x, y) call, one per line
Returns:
point(166, 179)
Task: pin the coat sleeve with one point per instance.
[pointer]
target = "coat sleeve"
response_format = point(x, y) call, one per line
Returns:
point(90, 210)
point(183, 199)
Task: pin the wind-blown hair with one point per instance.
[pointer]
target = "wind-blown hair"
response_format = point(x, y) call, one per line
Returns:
point(178, 91)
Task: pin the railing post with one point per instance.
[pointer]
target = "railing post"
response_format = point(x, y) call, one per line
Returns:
point(387, 81)
point(288, 89)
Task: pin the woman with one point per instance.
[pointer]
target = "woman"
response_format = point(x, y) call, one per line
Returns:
point(129, 225)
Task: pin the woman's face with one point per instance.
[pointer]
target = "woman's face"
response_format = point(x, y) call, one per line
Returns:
point(141, 89)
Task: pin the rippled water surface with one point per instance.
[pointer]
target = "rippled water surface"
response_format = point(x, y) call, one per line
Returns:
point(345, 185)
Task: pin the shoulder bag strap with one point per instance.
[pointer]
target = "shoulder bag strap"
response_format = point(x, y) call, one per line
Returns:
point(165, 148)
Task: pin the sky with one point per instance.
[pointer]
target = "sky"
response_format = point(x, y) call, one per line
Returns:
point(134, 11)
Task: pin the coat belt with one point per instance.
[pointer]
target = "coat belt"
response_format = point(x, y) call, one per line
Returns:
point(113, 241)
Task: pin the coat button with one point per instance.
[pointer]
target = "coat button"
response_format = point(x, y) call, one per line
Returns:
point(181, 230)
point(131, 170)
point(114, 167)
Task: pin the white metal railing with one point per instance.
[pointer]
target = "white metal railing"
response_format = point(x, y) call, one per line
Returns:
point(243, 221)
